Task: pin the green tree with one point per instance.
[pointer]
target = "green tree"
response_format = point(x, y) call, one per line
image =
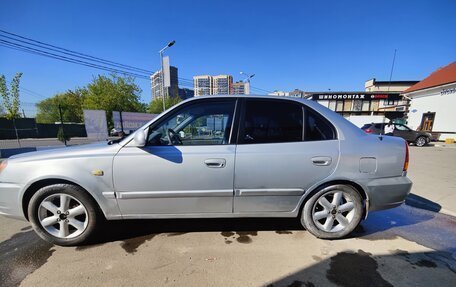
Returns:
point(113, 93)
point(70, 103)
point(156, 105)
point(10, 99)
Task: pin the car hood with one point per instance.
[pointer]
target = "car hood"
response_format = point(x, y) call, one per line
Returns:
point(86, 150)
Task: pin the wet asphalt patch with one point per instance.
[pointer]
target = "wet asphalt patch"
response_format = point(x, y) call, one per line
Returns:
point(242, 236)
point(284, 232)
point(297, 283)
point(355, 269)
point(432, 259)
point(21, 255)
point(131, 245)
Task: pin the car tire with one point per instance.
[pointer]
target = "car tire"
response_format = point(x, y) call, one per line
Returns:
point(330, 216)
point(63, 214)
point(421, 141)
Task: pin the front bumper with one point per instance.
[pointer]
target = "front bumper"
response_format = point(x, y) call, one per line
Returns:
point(9, 200)
point(384, 193)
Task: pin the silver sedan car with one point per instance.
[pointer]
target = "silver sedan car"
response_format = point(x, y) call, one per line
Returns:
point(222, 156)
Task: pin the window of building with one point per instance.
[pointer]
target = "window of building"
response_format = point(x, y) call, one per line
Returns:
point(332, 105)
point(207, 123)
point(387, 102)
point(272, 122)
point(317, 128)
point(357, 105)
point(366, 105)
point(340, 106)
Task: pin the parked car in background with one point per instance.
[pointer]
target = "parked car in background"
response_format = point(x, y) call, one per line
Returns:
point(419, 138)
point(262, 157)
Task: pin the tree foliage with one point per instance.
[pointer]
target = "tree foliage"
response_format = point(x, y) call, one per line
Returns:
point(71, 105)
point(10, 99)
point(113, 94)
point(156, 105)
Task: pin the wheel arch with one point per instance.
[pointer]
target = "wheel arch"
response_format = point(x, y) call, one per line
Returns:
point(353, 184)
point(37, 185)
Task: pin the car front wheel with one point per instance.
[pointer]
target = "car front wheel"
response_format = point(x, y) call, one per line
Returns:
point(332, 212)
point(63, 214)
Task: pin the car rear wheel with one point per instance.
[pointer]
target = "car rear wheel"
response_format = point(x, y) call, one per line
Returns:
point(420, 141)
point(332, 212)
point(63, 214)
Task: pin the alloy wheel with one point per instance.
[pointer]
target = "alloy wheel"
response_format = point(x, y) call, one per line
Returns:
point(63, 216)
point(333, 211)
point(421, 141)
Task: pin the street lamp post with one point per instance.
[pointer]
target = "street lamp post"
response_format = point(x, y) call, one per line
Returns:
point(248, 77)
point(162, 76)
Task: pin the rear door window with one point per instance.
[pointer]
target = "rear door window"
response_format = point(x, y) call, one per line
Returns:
point(271, 121)
point(317, 128)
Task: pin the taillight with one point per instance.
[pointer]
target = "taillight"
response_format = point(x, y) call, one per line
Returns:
point(369, 131)
point(406, 161)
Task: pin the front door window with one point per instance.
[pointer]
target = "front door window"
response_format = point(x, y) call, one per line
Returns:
point(197, 124)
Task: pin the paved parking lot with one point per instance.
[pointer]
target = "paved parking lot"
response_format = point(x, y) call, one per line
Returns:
point(405, 246)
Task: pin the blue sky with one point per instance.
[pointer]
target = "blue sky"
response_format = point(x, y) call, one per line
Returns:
point(310, 45)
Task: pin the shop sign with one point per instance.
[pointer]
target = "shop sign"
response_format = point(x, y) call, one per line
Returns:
point(317, 97)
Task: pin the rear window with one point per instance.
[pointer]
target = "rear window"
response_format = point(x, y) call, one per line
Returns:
point(366, 126)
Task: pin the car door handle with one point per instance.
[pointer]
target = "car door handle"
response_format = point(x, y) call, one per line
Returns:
point(321, 160)
point(215, 162)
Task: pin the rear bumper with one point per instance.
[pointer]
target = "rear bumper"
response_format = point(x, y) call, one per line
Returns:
point(384, 193)
point(9, 200)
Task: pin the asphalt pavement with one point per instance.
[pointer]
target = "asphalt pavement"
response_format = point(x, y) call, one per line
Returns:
point(405, 246)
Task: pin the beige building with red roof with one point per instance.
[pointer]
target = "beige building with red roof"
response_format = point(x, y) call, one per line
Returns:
point(433, 103)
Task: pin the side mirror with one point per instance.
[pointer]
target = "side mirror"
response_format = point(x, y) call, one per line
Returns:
point(140, 137)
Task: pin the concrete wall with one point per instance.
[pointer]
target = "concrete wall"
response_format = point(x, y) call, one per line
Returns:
point(432, 100)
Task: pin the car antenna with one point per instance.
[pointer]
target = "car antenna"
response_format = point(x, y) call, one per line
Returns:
point(382, 128)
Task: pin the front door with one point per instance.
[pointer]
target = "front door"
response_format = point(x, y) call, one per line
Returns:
point(427, 121)
point(404, 132)
point(187, 166)
point(277, 159)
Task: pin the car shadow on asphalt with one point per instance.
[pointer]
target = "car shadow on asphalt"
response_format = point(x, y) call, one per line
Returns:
point(378, 226)
point(127, 229)
point(423, 203)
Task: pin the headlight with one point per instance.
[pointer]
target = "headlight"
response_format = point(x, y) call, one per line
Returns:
point(3, 165)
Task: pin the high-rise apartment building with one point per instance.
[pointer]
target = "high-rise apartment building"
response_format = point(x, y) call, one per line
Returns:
point(185, 93)
point(240, 88)
point(221, 84)
point(156, 82)
point(202, 85)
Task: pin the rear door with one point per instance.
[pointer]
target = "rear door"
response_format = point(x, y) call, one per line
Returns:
point(283, 149)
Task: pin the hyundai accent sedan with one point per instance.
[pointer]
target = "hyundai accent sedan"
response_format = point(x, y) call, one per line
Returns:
point(213, 157)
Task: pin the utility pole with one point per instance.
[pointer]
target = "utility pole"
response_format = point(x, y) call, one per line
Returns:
point(61, 124)
point(23, 113)
point(15, 130)
point(121, 121)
